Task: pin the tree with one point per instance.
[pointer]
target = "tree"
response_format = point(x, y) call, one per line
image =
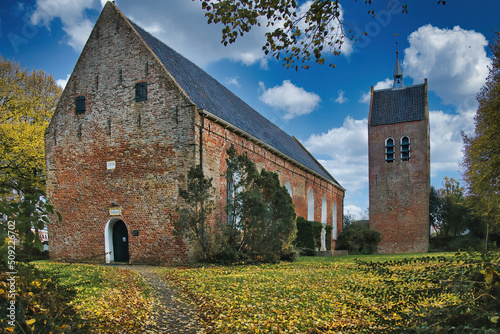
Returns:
point(299, 31)
point(261, 215)
point(193, 218)
point(27, 103)
point(452, 214)
point(358, 238)
point(482, 150)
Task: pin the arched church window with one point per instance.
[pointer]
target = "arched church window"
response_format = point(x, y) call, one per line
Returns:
point(323, 210)
point(389, 150)
point(310, 205)
point(233, 188)
point(334, 222)
point(405, 148)
point(288, 187)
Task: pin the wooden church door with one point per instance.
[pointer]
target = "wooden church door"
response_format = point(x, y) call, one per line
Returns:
point(120, 242)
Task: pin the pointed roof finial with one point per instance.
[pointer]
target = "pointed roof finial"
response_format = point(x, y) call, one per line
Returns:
point(398, 73)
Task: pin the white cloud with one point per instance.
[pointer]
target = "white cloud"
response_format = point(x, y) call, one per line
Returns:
point(292, 100)
point(62, 82)
point(387, 83)
point(232, 81)
point(356, 212)
point(446, 140)
point(453, 60)
point(198, 41)
point(341, 99)
point(347, 146)
point(73, 17)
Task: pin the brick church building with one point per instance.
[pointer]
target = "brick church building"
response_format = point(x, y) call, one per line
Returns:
point(399, 166)
point(133, 118)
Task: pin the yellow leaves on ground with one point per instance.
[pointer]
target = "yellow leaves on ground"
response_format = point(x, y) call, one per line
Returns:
point(111, 299)
point(303, 297)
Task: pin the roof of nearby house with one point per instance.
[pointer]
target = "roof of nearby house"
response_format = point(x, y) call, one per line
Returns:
point(208, 94)
point(398, 105)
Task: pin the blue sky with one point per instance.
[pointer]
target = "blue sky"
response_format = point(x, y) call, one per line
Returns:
point(326, 108)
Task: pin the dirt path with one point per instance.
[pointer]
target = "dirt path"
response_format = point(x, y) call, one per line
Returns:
point(174, 315)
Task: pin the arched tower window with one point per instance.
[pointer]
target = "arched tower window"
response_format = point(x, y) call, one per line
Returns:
point(405, 148)
point(310, 205)
point(323, 210)
point(334, 223)
point(389, 150)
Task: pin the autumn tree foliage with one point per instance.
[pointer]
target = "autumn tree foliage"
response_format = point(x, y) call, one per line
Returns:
point(297, 31)
point(482, 149)
point(27, 103)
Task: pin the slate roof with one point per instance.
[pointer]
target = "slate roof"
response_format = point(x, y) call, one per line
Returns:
point(207, 93)
point(391, 106)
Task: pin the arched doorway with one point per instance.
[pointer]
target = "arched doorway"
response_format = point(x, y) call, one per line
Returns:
point(120, 241)
point(116, 241)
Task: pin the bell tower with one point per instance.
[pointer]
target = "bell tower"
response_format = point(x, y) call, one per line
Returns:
point(399, 165)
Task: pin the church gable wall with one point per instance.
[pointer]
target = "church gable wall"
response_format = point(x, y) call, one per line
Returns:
point(150, 142)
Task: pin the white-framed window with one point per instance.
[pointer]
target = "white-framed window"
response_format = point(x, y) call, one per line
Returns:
point(389, 150)
point(323, 210)
point(405, 148)
point(334, 221)
point(288, 187)
point(310, 205)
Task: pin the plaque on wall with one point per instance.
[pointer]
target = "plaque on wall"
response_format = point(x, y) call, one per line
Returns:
point(115, 211)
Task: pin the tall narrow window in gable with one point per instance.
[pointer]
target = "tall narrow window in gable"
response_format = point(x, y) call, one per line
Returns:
point(108, 127)
point(405, 148)
point(389, 150)
point(310, 205)
point(80, 104)
point(141, 91)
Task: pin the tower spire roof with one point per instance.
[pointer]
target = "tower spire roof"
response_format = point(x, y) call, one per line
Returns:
point(398, 74)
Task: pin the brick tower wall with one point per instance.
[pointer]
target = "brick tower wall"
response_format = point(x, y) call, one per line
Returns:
point(399, 191)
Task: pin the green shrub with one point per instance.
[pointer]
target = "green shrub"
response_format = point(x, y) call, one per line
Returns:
point(358, 238)
point(459, 243)
point(309, 236)
point(305, 237)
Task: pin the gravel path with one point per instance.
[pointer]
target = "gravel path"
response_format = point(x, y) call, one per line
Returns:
point(174, 315)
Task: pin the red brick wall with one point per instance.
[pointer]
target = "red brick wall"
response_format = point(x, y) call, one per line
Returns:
point(399, 191)
point(217, 139)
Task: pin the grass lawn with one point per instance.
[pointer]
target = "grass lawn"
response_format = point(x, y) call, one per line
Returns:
point(345, 294)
